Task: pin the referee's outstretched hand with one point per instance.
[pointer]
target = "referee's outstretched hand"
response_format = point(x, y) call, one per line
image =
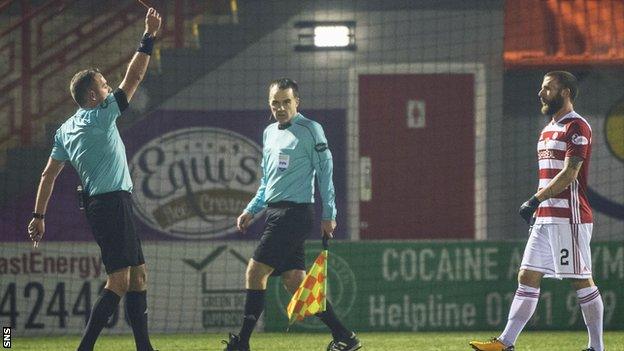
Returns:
point(243, 221)
point(153, 21)
point(327, 228)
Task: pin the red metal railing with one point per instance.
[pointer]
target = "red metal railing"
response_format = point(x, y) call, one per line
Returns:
point(45, 55)
point(542, 33)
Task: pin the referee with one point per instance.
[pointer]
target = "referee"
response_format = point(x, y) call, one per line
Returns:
point(90, 141)
point(295, 150)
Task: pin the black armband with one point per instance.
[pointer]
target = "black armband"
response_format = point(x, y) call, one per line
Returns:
point(122, 99)
point(38, 215)
point(146, 45)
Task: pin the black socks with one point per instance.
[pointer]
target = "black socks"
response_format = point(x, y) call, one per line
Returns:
point(330, 319)
point(136, 312)
point(104, 307)
point(254, 305)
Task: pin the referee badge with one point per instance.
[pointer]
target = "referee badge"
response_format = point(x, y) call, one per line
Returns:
point(283, 161)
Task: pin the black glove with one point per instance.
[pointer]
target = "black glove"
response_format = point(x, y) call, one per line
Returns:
point(528, 208)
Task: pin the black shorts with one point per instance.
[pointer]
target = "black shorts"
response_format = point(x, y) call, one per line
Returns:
point(110, 218)
point(288, 225)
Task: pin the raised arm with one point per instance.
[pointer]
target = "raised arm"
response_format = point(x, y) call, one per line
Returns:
point(36, 227)
point(140, 60)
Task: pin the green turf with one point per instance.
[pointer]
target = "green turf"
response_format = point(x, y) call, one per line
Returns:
point(529, 341)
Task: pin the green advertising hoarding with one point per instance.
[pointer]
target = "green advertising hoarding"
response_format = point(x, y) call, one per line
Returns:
point(437, 286)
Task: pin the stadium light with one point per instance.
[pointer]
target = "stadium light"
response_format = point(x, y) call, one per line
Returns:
point(320, 36)
point(331, 36)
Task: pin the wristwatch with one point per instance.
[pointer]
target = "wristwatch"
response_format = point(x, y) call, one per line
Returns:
point(38, 215)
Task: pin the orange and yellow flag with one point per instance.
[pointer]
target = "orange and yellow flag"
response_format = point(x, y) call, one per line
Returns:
point(310, 297)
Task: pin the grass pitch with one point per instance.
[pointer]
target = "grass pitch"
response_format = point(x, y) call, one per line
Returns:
point(452, 341)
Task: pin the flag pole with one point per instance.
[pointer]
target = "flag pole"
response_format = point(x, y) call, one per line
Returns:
point(311, 296)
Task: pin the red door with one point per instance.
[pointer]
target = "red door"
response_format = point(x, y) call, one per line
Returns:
point(417, 132)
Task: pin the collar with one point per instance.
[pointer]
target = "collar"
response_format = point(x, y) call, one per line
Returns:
point(564, 117)
point(282, 126)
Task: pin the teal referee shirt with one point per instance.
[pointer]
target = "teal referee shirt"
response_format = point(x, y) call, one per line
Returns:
point(291, 157)
point(90, 140)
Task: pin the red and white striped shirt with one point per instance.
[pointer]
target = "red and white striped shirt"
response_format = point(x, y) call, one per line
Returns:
point(570, 136)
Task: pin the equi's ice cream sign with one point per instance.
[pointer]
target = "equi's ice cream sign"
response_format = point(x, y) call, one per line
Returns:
point(192, 183)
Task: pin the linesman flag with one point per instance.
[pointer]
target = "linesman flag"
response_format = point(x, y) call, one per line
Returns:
point(310, 297)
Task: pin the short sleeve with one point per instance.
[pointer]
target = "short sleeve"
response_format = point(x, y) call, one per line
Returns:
point(107, 112)
point(578, 139)
point(58, 150)
point(321, 148)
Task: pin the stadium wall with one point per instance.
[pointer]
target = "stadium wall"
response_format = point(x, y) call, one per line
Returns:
point(440, 35)
point(374, 286)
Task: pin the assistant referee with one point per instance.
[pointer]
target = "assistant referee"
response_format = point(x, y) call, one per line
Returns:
point(294, 151)
point(90, 141)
